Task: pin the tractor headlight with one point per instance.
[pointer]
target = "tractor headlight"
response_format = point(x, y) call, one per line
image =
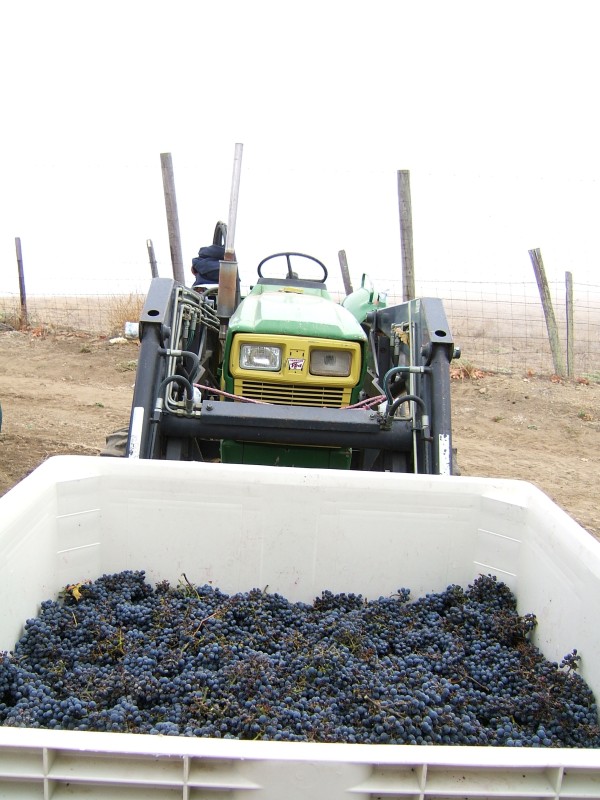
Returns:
point(260, 356)
point(334, 363)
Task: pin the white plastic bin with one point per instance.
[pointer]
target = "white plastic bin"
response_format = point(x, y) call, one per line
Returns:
point(298, 532)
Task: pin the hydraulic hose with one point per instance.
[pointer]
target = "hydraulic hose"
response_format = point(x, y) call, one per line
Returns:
point(413, 398)
point(189, 354)
point(403, 370)
point(406, 398)
point(393, 405)
point(189, 390)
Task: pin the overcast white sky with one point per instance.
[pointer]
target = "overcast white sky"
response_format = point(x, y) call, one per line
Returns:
point(492, 106)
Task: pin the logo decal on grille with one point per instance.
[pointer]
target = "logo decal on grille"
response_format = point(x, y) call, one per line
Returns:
point(296, 364)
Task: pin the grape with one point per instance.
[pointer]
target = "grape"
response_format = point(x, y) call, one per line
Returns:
point(455, 667)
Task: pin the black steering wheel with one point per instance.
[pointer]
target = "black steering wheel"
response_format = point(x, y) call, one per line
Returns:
point(291, 275)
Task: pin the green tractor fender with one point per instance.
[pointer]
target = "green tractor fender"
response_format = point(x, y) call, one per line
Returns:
point(364, 300)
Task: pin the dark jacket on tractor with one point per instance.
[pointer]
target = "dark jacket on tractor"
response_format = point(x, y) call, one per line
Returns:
point(206, 265)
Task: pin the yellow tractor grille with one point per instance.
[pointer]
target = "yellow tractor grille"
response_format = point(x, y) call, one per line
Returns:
point(292, 394)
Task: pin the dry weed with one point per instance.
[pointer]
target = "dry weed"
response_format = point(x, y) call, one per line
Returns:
point(585, 415)
point(466, 371)
point(11, 316)
point(127, 366)
point(124, 308)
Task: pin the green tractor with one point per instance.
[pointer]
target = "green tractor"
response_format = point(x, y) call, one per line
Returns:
point(288, 376)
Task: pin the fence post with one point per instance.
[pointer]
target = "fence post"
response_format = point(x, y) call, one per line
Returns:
point(570, 325)
point(24, 321)
point(406, 235)
point(540, 276)
point(166, 163)
point(152, 257)
point(345, 272)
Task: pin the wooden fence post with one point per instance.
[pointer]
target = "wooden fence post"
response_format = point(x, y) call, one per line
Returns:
point(570, 325)
point(540, 276)
point(406, 235)
point(172, 217)
point(152, 257)
point(24, 320)
point(345, 272)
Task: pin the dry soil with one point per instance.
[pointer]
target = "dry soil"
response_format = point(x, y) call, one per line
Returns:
point(64, 392)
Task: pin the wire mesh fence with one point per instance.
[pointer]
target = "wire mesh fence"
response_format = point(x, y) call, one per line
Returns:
point(98, 314)
point(499, 327)
point(502, 327)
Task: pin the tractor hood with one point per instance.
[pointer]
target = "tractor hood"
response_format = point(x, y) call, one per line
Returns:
point(295, 313)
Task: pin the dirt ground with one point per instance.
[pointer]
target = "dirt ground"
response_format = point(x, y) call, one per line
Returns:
point(63, 393)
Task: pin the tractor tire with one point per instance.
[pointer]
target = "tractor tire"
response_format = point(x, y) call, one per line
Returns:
point(116, 444)
point(455, 468)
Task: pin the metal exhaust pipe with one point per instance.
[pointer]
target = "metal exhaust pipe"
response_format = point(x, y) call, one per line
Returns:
point(228, 272)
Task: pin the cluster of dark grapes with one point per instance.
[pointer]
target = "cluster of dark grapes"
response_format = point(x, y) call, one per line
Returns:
point(455, 667)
